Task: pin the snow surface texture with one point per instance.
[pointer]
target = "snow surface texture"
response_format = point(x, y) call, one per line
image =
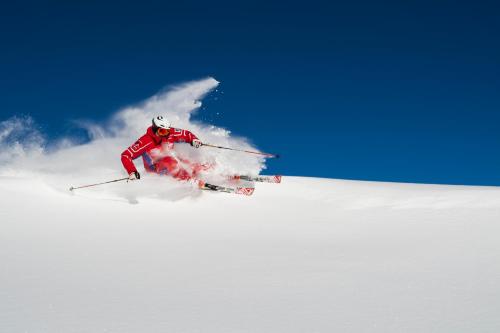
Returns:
point(307, 255)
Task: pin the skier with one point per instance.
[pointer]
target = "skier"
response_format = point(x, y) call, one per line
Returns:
point(154, 147)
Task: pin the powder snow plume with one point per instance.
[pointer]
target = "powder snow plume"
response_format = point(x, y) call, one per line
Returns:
point(67, 164)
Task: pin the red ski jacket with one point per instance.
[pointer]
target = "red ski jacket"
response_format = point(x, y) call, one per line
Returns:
point(150, 145)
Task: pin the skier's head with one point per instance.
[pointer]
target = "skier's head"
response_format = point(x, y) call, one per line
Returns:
point(161, 126)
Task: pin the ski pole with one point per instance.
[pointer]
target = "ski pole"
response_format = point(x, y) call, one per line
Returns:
point(90, 185)
point(244, 151)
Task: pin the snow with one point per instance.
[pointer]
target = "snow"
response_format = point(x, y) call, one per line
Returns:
point(68, 160)
point(307, 255)
point(155, 255)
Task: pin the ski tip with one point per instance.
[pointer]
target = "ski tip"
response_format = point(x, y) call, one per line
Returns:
point(245, 190)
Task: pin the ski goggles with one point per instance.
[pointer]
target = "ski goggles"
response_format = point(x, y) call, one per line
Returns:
point(162, 131)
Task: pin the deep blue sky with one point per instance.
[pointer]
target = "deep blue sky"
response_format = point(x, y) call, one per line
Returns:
point(396, 91)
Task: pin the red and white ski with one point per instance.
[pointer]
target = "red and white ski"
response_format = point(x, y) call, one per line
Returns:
point(276, 179)
point(236, 190)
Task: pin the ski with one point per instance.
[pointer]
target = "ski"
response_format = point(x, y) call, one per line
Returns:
point(235, 190)
point(276, 179)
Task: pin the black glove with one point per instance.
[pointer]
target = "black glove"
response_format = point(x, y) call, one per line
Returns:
point(134, 175)
point(196, 143)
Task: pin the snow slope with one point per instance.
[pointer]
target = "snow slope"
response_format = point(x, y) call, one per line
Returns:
point(307, 255)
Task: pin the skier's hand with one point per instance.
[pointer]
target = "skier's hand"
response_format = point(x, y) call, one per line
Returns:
point(196, 143)
point(134, 176)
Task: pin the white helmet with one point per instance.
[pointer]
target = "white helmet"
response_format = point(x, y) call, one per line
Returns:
point(160, 122)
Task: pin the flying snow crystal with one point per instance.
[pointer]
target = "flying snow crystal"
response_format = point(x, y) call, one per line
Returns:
point(99, 159)
point(14, 141)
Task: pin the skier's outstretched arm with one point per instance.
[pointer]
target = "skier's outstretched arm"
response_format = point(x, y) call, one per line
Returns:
point(193, 139)
point(181, 135)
